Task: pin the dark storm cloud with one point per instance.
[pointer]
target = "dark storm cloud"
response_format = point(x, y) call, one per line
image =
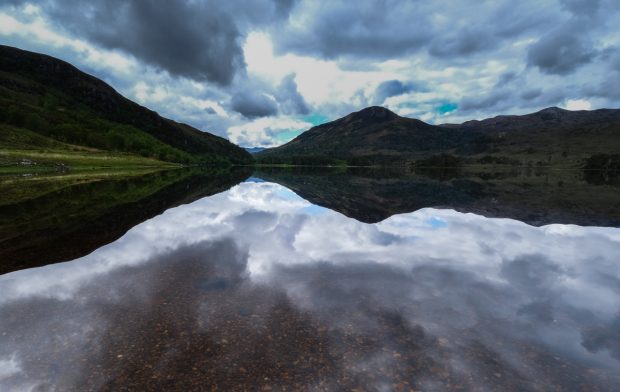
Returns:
point(10, 2)
point(393, 29)
point(604, 88)
point(484, 102)
point(258, 99)
point(462, 43)
point(253, 105)
point(289, 98)
point(582, 7)
point(530, 94)
point(506, 78)
point(283, 7)
point(377, 29)
point(194, 40)
point(391, 88)
point(561, 51)
point(200, 40)
point(513, 90)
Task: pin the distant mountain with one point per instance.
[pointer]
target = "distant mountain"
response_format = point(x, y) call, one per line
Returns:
point(254, 150)
point(377, 135)
point(49, 103)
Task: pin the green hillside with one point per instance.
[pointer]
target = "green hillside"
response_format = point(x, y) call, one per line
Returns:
point(47, 104)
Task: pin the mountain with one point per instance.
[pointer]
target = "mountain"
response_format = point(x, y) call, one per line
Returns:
point(377, 135)
point(372, 132)
point(46, 103)
point(254, 150)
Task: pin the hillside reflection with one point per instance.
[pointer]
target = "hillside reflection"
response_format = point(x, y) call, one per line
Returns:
point(58, 218)
point(537, 197)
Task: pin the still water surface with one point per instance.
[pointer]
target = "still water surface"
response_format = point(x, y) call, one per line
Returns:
point(257, 288)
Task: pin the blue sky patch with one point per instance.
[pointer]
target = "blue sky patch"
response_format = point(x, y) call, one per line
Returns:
point(314, 210)
point(287, 135)
point(316, 119)
point(446, 108)
point(254, 179)
point(436, 223)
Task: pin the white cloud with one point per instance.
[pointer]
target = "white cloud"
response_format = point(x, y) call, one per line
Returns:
point(578, 104)
point(266, 131)
point(8, 367)
point(320, 82)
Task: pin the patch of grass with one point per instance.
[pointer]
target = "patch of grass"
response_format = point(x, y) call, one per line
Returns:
point(46, 160)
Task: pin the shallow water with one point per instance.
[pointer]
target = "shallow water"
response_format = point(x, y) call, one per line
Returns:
point(257, 288)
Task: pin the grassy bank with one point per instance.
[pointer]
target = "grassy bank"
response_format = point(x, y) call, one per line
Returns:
point(56, 160)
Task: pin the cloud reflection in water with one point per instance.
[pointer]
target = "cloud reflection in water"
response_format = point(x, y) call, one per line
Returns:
point(255, 286)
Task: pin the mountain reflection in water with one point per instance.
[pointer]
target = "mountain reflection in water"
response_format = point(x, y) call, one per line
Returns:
point(256, 288)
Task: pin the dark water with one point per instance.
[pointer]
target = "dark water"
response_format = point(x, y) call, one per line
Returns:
point(358, 281)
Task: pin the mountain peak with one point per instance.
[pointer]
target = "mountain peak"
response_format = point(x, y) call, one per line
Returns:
point(372, 113)
point(553, 109)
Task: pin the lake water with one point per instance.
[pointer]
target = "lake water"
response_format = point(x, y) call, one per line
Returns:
point(280, 280)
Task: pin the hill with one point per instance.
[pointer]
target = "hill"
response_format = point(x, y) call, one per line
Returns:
point(376, 135)
point(254, 150)
point(48, 104)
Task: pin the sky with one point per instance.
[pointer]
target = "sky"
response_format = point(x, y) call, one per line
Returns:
point(261, 72)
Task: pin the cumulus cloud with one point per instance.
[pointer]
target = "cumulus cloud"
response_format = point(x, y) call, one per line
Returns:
point(186, 39)
point(252, 104)
point(560, 52)
point(367, 29)
point(582, 7)
point(391, 88)
point(267, 131)
point(485, 101)
point(461, 43)
point(289, 98)
point(199, 40)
